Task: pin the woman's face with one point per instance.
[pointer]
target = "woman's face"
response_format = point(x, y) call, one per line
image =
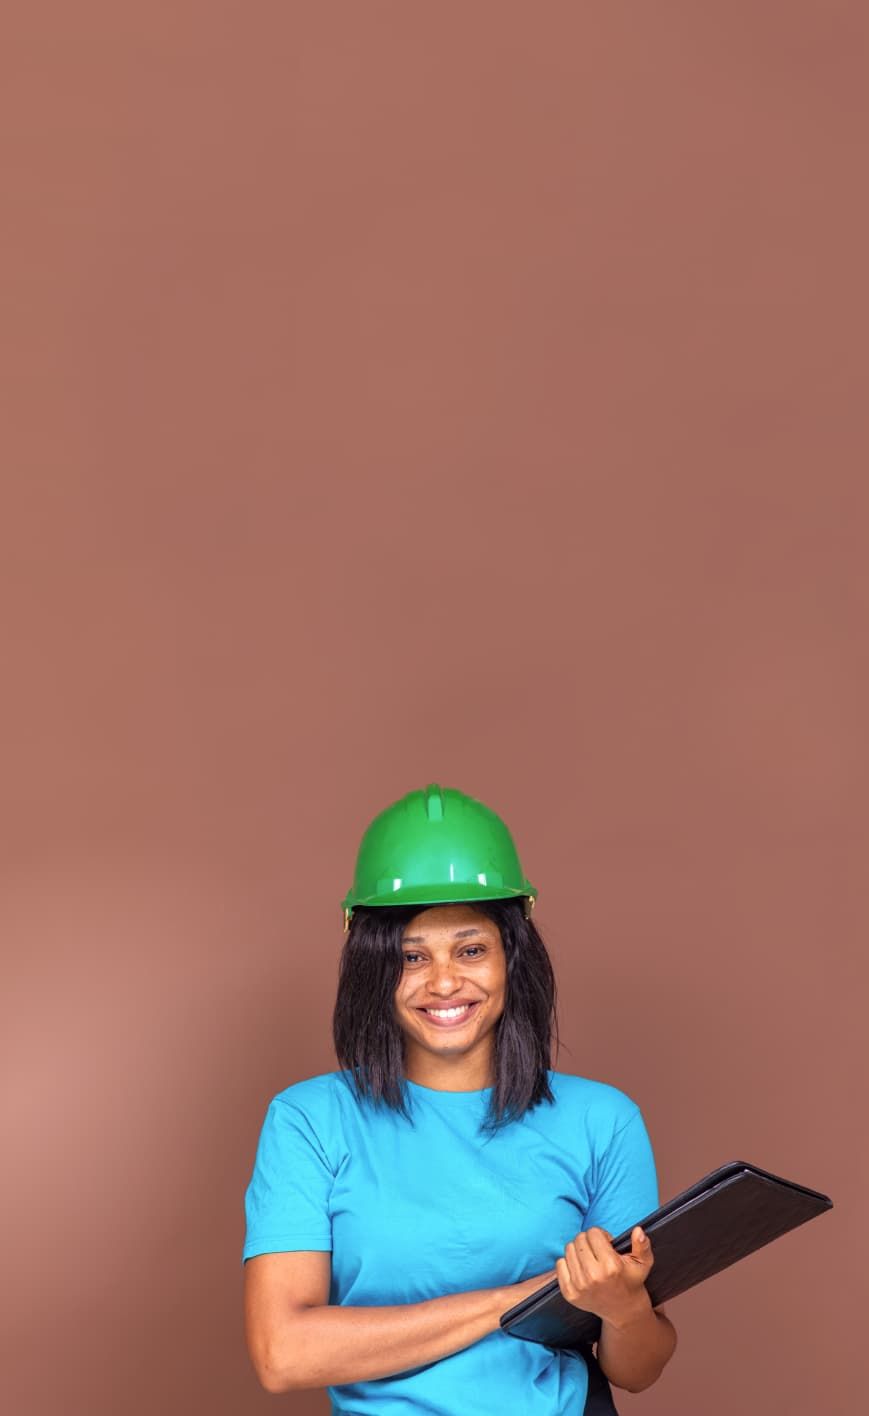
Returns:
point(453, 955)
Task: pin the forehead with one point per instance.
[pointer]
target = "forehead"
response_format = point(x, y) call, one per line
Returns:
point(449, 923)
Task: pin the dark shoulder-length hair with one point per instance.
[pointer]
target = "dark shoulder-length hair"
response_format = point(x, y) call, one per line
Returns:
point(369, 1041)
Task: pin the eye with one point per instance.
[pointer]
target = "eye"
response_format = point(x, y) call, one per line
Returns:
point(471, 948)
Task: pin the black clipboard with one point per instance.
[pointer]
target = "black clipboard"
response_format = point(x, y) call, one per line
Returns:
point(725, 1216)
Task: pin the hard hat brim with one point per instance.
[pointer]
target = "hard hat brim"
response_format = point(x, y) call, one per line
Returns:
point(438, 895)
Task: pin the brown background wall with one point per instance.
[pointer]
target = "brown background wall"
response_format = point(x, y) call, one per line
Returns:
point(400, 393)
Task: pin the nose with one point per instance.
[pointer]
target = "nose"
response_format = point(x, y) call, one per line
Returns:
point(445, 980)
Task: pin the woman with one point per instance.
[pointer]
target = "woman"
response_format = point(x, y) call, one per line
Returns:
point(399, 1206)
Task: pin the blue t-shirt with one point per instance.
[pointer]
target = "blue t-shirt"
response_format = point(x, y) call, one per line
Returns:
point(415, 1212)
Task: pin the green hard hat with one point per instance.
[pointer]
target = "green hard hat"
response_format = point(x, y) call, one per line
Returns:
point(436, 846)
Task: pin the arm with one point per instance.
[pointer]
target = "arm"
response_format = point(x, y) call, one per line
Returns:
point(634, 1351)
point(636, 1340)
point(297, 1340)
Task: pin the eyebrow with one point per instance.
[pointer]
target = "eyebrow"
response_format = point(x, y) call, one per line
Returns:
point(420, 938)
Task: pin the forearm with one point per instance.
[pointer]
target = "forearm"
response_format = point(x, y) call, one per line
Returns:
point(633, 1352)
point(331, 1345)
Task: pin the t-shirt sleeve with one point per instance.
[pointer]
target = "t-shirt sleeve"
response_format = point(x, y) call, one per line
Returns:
point(626, 1183)
point(287, 1200)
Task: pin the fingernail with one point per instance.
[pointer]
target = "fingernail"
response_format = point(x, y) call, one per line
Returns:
point(641, 1233)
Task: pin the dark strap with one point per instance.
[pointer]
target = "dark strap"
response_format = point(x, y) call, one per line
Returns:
point(599, 1401)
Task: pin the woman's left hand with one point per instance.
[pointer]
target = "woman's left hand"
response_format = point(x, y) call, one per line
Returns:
point(594, 1277)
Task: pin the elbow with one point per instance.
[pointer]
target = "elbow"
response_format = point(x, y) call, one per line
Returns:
point(636, 1387)
point(271, 1380)
point(651, 1382)
point(274, 1379)
point(273, 1373)
point(280, 1357)
point(275, 1387)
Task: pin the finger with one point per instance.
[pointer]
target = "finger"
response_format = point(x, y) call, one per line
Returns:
point(573, 1259)
point(598, 1242)
point(599, 1258)
point(566, 1282)
point(592, 1267)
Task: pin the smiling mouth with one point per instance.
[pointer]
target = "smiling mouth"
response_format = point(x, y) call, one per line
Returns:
point(452, 1019)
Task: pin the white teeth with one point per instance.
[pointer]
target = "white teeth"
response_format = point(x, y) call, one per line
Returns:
point(448, 1012)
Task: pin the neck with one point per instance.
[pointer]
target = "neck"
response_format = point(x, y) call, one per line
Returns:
point(467, 1072)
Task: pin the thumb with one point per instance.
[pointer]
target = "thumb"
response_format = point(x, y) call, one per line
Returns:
point(641, 1247)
